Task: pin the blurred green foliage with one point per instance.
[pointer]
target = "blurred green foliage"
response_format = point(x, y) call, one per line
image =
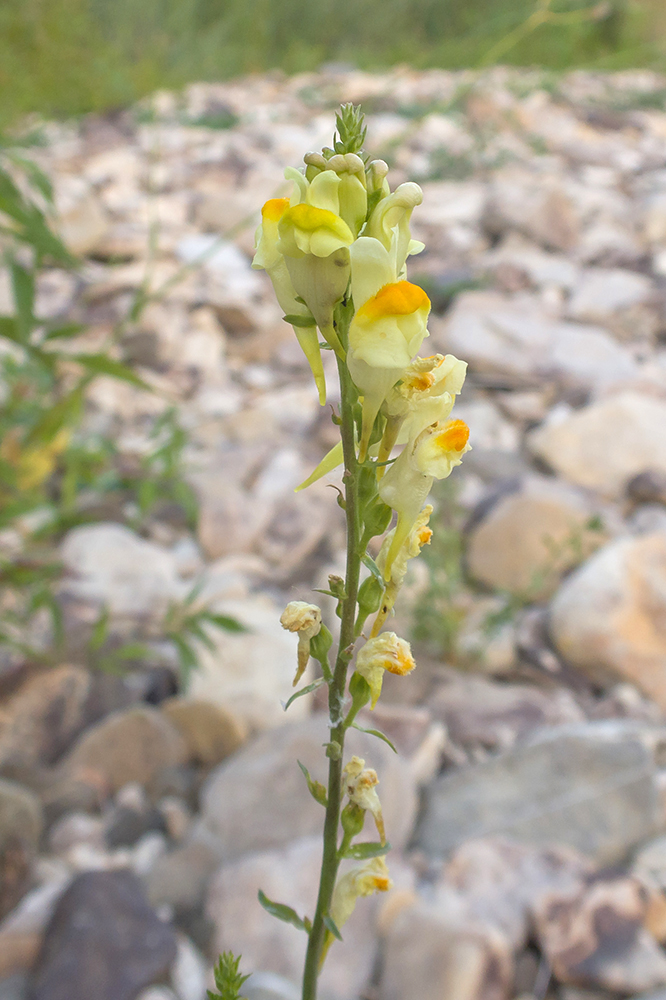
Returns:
point(55, 474)
point(63, 57)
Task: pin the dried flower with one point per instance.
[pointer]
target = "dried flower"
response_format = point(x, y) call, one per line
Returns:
point(305, 619)
point(383, 652)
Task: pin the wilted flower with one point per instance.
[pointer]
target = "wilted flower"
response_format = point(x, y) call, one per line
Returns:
point(424, 394)
point(431, 455)
point(419, 535)
point(362, 880)
point(383, 652)
point(305, 619)
point(360, 782)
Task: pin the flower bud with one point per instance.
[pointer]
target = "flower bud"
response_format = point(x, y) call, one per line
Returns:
point(383, 652)
point(352, 819)
point(305, 619)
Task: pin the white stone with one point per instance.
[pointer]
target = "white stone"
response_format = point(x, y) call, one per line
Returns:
point(110, 565)
point(516, 337)
point(252, 672)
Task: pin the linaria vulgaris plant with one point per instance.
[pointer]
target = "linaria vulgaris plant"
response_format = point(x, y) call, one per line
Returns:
point(336, 253)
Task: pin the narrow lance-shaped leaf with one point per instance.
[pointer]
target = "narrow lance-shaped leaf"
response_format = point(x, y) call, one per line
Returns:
point(282, 912)
point(317, 790)
point(366, 849)
point(303, 691)
point(377, 733)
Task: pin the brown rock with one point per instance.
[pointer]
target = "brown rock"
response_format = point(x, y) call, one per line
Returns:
point(529, 539)
point(39, 721)
point(432, 958)
point(603, 445)
point(595, 936)
point(210, 731)
point(609, 618)
point(133, 745)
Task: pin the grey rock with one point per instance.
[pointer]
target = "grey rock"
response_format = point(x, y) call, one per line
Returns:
point(590, 786)
point(14, 987)
point(103, 941)
point(480, 713)
point(258, 799)
point(515, 337)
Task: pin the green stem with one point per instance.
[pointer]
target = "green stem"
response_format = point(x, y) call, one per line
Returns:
point(336, 690)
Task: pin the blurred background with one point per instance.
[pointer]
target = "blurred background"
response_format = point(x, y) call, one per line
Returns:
point(156, 414)
point(73, 56)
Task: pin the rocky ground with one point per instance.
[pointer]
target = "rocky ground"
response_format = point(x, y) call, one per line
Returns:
point(527, 806)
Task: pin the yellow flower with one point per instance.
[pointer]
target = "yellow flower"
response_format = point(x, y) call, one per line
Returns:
point(352, 192)
point(362, 880)
point(431, 455)
point(269, 257)
point(383, 652)
point(314, 239)
point(360, 782)
point(33, 465)
point(389, 222)
point(387, 329)
point(424, 395)
point(419, 535)
point(305, 619)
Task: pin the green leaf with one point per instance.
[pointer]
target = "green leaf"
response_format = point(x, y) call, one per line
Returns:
point(306, 690)
point(330, 925)
point(23, 287)
point(66, 411)
point(282, 912)
point(9, 329)
point(100, 631)
point(101, 364)
point(317, 790)
point(370, 563)
point(301, 321)
point(367, 849)
point(377, 733)
point(64, 332)
point(225, 622)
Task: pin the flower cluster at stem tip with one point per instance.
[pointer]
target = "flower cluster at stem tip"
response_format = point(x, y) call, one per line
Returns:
point(336, 252)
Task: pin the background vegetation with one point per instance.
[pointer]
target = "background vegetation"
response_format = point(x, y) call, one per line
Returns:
point(64, 57)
